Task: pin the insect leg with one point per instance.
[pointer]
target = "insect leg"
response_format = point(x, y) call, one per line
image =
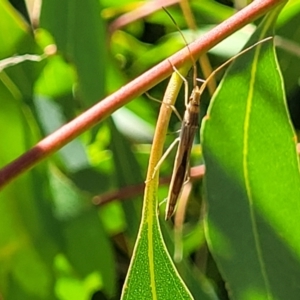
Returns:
point(165, 155)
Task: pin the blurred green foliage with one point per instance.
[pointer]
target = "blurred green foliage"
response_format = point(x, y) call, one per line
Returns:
point(54, 242)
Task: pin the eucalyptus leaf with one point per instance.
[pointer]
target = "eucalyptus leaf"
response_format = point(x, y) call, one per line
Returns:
point(252, 178)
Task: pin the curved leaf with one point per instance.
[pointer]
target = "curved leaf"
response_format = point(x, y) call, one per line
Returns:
point(252, 179)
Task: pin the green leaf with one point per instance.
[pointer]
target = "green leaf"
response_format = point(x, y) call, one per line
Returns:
point(127, 173)
point(89, 250)
point(79, 33)
point(26, 216)
point(152, 274)
point(10, 21)
point(252, 178)
point(288, 56)
point(56, 79)
point(51, 117)
point(27, 230)
point(69, 286)
point(20, 76)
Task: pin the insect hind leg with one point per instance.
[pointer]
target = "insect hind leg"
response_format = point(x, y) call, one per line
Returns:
point(170, 105)
point(156, 168)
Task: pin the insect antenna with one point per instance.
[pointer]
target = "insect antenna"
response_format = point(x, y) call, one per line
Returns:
point(187, 45)
point(214, 72)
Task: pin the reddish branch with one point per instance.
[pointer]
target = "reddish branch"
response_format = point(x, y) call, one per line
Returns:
point(138, 189)
point(146, 9)
point(138, 86)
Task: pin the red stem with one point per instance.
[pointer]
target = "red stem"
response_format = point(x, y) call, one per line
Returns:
point(146, 9)
point(133, 89)
point(130, 191)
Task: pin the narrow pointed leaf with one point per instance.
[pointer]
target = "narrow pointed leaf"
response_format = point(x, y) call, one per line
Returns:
point(152, 274)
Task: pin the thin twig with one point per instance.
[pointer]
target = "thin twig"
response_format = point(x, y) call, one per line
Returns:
point(196, 173)
point(143, 11)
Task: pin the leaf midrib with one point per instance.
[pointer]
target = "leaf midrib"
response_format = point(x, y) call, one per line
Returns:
point(249, 103)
